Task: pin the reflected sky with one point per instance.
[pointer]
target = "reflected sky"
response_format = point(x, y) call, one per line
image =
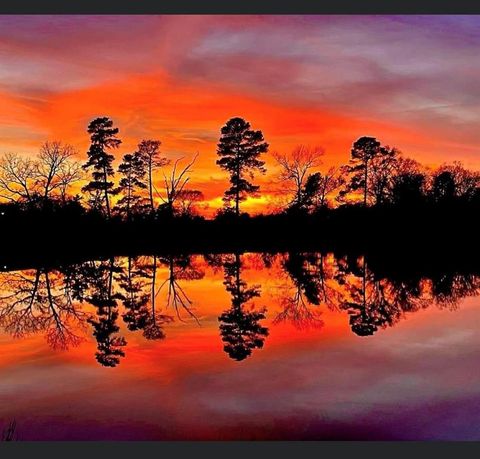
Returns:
point(415, 377)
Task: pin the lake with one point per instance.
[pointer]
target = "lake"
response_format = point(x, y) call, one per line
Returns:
point(247, 346)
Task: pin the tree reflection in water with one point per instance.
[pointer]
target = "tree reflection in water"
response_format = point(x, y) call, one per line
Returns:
point(240, 326)
point(137, 284)
point(375, 302)
point(137, 293)
point(35, 301)
point(179, 268)
point(110, 344)
point(372, 301)
point(310, 286)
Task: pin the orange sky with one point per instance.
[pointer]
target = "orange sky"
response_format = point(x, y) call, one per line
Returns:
point(318, 80)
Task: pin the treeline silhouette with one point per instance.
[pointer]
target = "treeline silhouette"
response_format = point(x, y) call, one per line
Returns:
point(380, 198)
point(50, 300)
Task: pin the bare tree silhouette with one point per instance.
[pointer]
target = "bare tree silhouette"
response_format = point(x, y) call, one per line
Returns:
point(139, 299)
point(38, 301)
point(55, 170)
point(17, 178)
point(175, 185)
point(296, 310)
point(187, 200)
point(307, 274)
point(179, 268)
point(294, 169)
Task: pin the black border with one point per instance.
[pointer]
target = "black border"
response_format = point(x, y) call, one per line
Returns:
point(243, 449)
point(239, 7)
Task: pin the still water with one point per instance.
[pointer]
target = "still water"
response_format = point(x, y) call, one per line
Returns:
point(238, 346)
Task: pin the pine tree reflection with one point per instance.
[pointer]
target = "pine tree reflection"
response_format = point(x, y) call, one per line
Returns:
point(240, 328)
point(375, 294)
point(105, 329)
point(372, 301)
point(367, 299)
point(134, 298)
point(375, 302)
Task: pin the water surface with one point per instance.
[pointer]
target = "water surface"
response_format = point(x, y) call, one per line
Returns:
point(238, 346)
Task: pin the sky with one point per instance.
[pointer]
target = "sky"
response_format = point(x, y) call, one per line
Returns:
point(410, 81)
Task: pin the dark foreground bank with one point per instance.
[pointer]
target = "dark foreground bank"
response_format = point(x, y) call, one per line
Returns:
point(432, 236)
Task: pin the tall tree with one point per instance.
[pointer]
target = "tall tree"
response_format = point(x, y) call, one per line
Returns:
point(179, 268)
point(149, 151)
point(153, 325)
point(239, 149)
point(133, 174)
point(363, 151)
point(368, 168)
point(307, 279)
point(103, 138)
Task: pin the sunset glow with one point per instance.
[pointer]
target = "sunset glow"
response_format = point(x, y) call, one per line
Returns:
point(410, 81)
point(239, 227)
point(318, 373)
